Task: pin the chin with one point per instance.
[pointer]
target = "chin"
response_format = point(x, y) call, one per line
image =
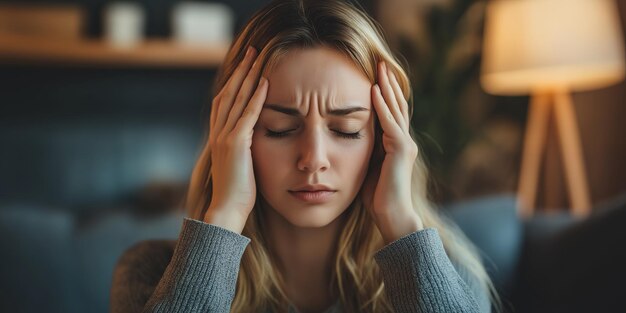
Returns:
point(310, 219)
point(310, 216)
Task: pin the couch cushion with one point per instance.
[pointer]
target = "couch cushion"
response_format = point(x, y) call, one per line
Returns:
point(579, 267)
point(491, 223)
point(99, 245)
point(36, 264)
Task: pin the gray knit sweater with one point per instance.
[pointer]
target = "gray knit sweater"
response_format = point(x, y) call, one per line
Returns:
point(198, 273)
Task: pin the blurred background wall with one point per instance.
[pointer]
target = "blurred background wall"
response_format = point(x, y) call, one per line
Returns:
point(52, 113)
point(92, 135)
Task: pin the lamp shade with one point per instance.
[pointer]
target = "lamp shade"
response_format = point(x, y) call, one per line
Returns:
point(532, 45)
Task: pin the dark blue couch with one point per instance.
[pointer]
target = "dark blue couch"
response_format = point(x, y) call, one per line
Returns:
point(552, 262)
point(55, 262)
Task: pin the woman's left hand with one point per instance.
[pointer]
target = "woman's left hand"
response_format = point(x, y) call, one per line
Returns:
point(391, 204)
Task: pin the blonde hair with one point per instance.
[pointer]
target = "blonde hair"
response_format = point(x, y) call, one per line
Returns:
point(277, 28)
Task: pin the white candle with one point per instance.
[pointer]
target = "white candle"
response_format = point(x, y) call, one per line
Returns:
point(202, 23)
point(124, 24)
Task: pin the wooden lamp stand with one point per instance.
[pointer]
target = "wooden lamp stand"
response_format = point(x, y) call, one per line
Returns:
point(542, 102)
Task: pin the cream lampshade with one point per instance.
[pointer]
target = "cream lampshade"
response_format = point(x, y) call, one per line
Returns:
point(549, 48)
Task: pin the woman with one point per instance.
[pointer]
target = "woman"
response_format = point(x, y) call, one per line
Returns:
point(316, 121)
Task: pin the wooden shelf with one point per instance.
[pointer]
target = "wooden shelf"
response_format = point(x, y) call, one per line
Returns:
point(151, 53)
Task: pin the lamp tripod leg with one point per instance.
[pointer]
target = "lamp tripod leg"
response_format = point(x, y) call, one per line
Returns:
point(534, 145)
point(571, 153)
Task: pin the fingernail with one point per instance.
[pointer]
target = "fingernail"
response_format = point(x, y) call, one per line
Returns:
point(249, 52)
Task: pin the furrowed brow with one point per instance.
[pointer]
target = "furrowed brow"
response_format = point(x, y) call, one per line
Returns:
point(296, 113)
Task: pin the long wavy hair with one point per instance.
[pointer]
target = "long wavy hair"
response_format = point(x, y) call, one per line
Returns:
point(277, 28)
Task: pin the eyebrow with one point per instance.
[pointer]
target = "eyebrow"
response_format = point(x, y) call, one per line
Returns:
point(295, 112)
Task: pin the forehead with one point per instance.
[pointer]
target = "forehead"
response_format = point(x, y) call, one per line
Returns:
point(321, 73)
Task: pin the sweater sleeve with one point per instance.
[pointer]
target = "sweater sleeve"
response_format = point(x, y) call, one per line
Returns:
point(419, 277)
point(201, 276)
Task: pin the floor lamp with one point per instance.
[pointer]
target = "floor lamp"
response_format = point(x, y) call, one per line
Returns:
point(549, 49)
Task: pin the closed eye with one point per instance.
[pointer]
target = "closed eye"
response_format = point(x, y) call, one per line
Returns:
point(280, 134)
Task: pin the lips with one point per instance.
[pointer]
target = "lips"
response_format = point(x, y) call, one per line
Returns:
point(319, 196)
point(316, 187)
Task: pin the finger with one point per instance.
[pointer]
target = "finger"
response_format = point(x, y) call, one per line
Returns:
point(404, 105)
point(231, 89)
point(251, 114)
point(385, 117)
point(388, 94)
point(241, 101)
point(214, 105)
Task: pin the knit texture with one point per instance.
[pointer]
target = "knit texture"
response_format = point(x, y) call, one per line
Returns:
point(419, 277)
point(198, 273)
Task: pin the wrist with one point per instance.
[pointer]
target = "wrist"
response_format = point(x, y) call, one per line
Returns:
point(397, 225)
point(232, 221)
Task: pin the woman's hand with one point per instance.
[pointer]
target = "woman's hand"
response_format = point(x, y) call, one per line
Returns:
point(392, 208)
point(234, 112)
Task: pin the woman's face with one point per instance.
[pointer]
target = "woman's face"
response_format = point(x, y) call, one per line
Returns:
point(314, 145)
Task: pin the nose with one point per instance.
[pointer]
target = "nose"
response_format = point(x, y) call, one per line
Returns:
point(313, 155)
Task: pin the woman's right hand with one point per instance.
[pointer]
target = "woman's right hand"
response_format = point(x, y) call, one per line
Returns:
point(234, 112)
